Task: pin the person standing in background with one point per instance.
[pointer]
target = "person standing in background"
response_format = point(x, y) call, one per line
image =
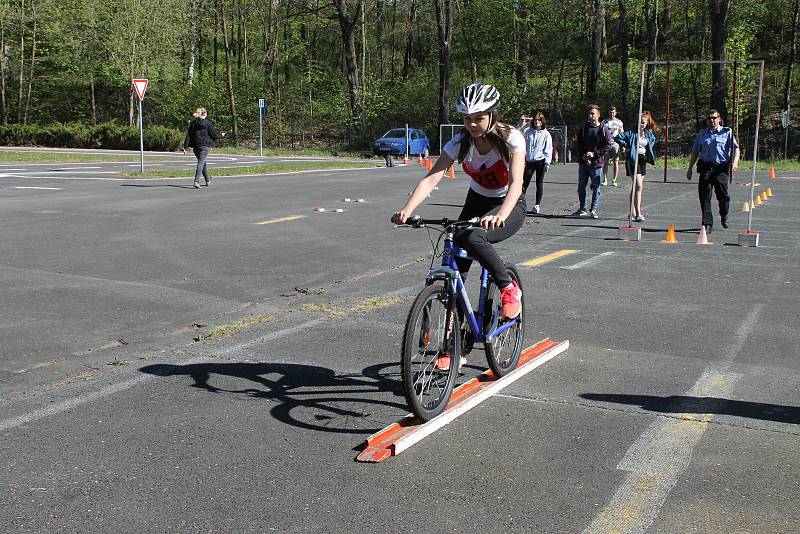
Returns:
point(592, 143)
point(616, 127)
point(538, 155)
point(200, 138)
point(718, 152)
point(639, 145)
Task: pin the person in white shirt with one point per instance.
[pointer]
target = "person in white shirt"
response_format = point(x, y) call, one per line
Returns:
point(614, 126)
point(538, 155)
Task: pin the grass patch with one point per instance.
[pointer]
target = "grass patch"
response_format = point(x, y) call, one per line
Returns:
point(311, 152)
point(372, 304)
point(255, 169)
point(236, 326)
point(118, 362)
point(36, 156)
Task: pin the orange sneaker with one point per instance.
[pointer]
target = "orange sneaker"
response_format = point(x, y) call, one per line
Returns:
point(443, 362)
point(511, 298)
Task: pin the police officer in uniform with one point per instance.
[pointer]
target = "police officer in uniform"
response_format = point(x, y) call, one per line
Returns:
point(718, 152)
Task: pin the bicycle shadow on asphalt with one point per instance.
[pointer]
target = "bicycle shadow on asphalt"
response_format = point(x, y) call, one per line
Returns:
point(677, 404)
point(307, 396)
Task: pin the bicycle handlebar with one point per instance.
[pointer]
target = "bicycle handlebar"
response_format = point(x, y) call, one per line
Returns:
point(418, 222)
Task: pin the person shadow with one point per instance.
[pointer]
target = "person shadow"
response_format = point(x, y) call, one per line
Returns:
point(676, 404)
point(158, 185)
point(304, 396)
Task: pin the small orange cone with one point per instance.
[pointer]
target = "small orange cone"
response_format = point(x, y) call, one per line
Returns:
point(405, 159)
point(772, 173)
point(452, 173)
point(746, 207)
point(419, 160)
point(428, 164)
point(769, 192)
point(671, 235)
point(702, 239)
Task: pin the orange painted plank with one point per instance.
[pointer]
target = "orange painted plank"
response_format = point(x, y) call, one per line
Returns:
point(381, 445)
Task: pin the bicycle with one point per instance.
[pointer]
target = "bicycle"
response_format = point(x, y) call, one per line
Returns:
point(433, 327)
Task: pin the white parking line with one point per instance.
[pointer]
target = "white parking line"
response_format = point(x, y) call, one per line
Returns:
point(654, 463)
point(590, 261)
point(33, 187)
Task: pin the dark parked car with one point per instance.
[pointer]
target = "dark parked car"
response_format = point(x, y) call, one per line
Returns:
point(393, 142)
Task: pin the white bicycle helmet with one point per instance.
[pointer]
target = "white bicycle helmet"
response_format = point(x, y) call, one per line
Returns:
point(477, 98)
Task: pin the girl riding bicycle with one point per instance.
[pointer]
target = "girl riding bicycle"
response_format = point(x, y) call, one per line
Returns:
point(493, 155)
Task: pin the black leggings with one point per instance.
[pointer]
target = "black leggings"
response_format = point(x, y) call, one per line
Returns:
point(538, 168)
point(477, 241)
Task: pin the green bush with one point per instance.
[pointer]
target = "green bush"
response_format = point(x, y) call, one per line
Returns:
point(76, 135)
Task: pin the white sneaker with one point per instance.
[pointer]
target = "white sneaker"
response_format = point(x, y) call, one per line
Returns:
point(593, 214)
point(534, 210)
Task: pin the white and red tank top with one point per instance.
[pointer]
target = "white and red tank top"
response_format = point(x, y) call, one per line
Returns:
point(488, 172)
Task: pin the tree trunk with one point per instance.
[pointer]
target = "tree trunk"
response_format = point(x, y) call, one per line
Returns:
point(624, 84)
point(379, 35)
point(229, 70)
point(787, 85)
point(3, 68)
point(718, 10)
point(595, 64)
point(410, 21)
point(271, 44)
point(394, 44)
point(192, 45)
point(444, 31)
point(93, 101)
point(524, 38)
point(651, 14)
point(470, 42)
point(21, 58)
point(31, 67)
point(347, 24)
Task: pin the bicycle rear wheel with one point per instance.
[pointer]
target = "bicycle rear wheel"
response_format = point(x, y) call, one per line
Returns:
point(502, 353)
point(431, 331)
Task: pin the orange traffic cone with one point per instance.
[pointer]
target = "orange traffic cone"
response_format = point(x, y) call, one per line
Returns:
point(671, 235)
point(428, 164)
point(702, 239)
point(405, 159)
point(452, 173)
point(420, 160)
point(772, 173)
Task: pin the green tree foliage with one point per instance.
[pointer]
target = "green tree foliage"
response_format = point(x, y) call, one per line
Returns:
point(76, 57)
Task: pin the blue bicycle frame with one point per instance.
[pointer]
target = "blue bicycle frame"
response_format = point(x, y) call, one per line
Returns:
point(449, 272)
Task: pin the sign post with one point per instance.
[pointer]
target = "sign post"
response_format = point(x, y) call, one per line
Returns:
point(261, 108)
point(141, 86)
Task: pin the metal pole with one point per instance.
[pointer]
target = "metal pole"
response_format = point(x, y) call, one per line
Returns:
point(666, 128)
point(407, 143)
point(786, 141)
point(261, 131)
point(735, 124)
point(635, 147)
point(141, 139)
point(755, 149)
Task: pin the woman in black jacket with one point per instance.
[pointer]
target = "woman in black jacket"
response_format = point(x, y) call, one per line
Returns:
point(200, 138)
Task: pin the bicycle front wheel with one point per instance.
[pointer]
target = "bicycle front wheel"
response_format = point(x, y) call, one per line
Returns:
point(502, 352)
point(431, 334)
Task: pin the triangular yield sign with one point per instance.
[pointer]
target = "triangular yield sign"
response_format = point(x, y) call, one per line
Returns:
point(141, 87)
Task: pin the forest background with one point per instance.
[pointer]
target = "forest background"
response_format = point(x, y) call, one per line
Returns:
point(336, 74)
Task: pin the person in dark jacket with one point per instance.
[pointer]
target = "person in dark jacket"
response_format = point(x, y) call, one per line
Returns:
point(200, 138)
point(592, 143)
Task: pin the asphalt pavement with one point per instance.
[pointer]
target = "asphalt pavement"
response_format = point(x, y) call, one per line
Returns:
point(675, 409)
